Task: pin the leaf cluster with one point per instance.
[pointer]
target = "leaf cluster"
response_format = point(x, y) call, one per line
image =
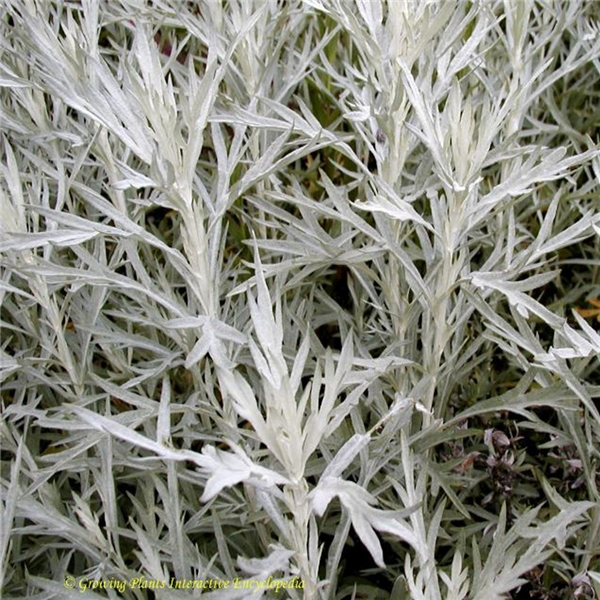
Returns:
point(300, 289)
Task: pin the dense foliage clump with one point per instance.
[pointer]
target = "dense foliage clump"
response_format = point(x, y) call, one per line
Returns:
point(301, 291)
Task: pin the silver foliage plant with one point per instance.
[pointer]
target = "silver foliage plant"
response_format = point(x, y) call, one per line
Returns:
point(268, 270)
